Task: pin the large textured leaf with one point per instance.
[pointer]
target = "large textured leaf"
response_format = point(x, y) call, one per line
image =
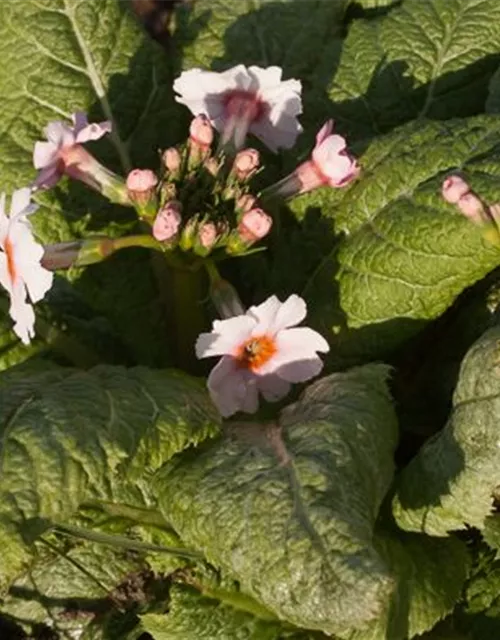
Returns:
point(193, 616)
point(418, 60)
point(452, 481)
point(94, 435)
point(429, 575)
point(288, 510)
point(407, 254)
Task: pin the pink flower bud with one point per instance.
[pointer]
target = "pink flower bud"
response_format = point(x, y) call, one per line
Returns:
point(201, 134)
point(453, 188)
point(246, 163)
point(167, 222)
point(472, 207)
point(207, 235)
point(172, 159)
point(246, 202)
point(255, 225)
point(141, 185)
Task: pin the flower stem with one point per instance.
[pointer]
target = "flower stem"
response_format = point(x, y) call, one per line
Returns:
point(222, 293)
point(123, 542)
point(183, 290)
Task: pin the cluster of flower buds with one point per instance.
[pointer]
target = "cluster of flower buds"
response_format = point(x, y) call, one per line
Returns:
point(200, 203)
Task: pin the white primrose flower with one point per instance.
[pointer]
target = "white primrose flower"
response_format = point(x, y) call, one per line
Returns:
point(245, 99)
point(261, 353)
point(21, 273)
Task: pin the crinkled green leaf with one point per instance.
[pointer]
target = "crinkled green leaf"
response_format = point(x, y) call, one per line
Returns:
point(491, 532)
point(66, 590)
point(191, 615)
point(96, 435)
point(262, 32)
point(431, 58)
point(493, 100)
point(451, 482)
point(407, 254)
point(288, 509)
point(429, 575)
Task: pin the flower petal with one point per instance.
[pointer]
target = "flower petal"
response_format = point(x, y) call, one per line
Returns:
point(264, 314)
point(4, 220)
point(94, 131)
point(44, 154)
point(295, 359)
point(272, 387)
point(324, 132)
point(290, 313)
point(232, 388)
point(47, 178)
point(59, 133)
point(264, 78)
point(22, 313)
point(5, 279)
point(20, 204)
point(226, 337)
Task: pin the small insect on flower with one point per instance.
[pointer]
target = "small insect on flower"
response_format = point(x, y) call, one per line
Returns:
point(262, 352)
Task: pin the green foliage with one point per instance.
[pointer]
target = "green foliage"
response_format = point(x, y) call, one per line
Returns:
point(451, 482)
point(113, 430)
point(296, 502)
point(291, 514)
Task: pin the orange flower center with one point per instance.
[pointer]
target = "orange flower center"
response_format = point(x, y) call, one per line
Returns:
point(11, 266)
point(255, 352)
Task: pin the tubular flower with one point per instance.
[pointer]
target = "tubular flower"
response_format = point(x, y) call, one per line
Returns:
point(21, 273)
point(244, 99)
point(262, 352)
point(63, 153)
point(168, 221)
point(330, 165)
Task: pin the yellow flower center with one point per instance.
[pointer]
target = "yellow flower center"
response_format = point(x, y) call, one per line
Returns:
point(255, 352)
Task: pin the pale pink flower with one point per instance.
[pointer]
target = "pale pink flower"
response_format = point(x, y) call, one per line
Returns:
point(246, 163)
point(261, 353)
point(21, 273)
point(172, 159)
point(453, 188)
point(63, 153)
point(141, 185)
point(245, 99)
point(255, 225)
point(330, 165)
point(167, 222)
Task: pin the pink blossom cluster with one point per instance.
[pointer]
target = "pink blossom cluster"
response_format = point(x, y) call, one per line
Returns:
point(201, 201)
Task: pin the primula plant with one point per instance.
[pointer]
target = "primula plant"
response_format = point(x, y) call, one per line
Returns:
point(249, 288)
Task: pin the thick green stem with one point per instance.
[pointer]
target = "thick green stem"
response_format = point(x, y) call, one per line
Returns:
point(185, 291)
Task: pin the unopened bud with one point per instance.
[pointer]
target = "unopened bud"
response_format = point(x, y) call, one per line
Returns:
point(255, 225)
point(141, 185)
point(172, 160)
point(188, 234)
point(207, 238)
point(246, 163)
point(472, 207)
point(167, 222)
point(201, 136)
point(246, 202)
point(454, 188)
